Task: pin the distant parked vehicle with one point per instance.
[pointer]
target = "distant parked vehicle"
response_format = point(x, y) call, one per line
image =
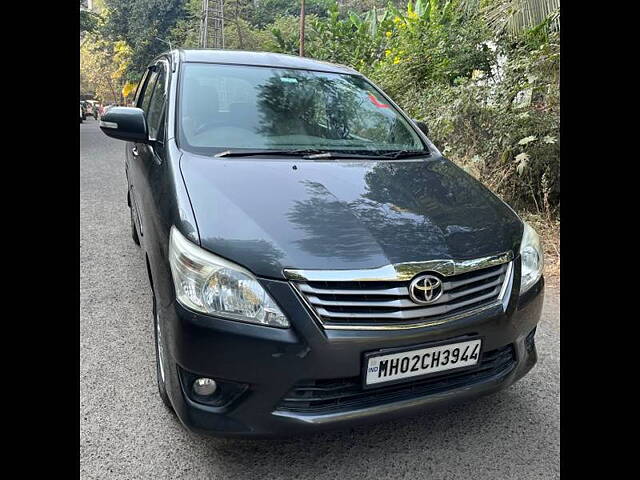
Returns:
point(94, 106)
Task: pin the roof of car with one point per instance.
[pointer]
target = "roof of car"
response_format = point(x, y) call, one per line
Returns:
point(263, 59)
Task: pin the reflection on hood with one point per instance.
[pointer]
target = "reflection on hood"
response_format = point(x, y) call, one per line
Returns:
point(267, 216)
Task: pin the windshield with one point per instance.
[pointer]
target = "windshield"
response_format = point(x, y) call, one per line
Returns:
point(226, 107)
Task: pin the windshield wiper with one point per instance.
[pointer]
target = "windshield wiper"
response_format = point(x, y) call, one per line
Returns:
point(395, 154)
point(249, 153)
point(371, 154)
point(338, 154)
point(318, 154)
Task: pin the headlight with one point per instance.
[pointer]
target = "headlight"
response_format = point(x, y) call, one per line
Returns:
point(532, 258)
point(212, 285)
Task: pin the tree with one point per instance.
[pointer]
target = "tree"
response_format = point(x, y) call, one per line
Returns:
point(186, 33)
point(265, 12)
point(102, 68)
point(88, 20)
point(239, 35)
point(144, 25)
point(302, 15)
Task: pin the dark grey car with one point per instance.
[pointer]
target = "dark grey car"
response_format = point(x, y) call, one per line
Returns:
point(314, 260)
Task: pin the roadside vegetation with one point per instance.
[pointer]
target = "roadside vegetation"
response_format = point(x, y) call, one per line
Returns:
point(483, 74)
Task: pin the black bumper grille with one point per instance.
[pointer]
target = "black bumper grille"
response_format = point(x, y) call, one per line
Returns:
point(530, 340)
point(325, 396)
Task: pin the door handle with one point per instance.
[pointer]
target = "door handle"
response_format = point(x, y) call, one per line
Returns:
point(135, 152)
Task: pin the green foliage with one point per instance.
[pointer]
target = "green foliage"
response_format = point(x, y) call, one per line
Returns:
point(88, 20)
point(352, 39)
point(491, 101)
point(265, 12)
point(144, 25)
point(285, 34)
point(432, 43)
point(483, 74)
point(503, 131)
point(186, 32)
point(239, 35)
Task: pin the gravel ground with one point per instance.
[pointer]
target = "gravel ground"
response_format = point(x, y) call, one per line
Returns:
point(125, 432)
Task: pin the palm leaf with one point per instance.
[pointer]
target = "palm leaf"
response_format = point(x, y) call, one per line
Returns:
point(517, 16)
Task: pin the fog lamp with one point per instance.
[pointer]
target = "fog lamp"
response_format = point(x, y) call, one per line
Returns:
point(204, 386)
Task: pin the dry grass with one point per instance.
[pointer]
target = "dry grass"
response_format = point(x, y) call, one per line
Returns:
point(549, 231)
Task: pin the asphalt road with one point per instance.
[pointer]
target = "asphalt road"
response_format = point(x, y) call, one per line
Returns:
point(125, 432)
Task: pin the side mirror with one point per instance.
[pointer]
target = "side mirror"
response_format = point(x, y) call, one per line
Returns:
point(125, 123)
point(422, 126)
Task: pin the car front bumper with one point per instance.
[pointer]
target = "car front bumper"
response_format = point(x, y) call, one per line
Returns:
point(271, 361)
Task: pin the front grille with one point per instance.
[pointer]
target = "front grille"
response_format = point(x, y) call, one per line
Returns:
point(326, 396)
point(388, 302)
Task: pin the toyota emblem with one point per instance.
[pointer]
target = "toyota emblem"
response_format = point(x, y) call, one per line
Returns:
point(425, 289)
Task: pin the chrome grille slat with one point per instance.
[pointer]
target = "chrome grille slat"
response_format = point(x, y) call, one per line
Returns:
point(400, 303)
point(412, 313)
point(452, 296)
point(451, 284)
point(400, 291)
point(375, 303)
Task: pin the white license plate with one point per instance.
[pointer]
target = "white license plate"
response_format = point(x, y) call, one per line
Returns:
point(398, 366)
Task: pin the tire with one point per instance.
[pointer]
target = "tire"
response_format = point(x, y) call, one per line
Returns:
point(162, 389)
point(80, 119)
point(134, 232)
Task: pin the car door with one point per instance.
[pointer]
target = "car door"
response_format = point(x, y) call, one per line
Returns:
point(142, 101)
point(147, 158)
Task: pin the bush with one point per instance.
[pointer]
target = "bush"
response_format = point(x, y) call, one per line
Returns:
point(491, 102)
point(504, 132)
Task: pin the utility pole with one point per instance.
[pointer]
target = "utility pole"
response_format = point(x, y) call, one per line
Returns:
point(212, 24)
point(302, 28)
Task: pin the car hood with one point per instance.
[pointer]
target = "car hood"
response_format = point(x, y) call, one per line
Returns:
point(272, 214)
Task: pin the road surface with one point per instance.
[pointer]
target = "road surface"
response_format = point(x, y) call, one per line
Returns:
point(125, 432)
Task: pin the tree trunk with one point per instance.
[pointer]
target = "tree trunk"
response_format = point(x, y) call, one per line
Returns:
point(238, 28)
point(302, 28)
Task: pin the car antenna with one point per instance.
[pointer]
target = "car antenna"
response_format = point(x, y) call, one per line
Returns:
point(164, 41)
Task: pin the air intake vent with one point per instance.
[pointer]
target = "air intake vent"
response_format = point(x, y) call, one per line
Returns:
point(326, 396)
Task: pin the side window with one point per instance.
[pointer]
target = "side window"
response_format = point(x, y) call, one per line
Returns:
point(156, 105)
point(147, 92)
point(138, 96)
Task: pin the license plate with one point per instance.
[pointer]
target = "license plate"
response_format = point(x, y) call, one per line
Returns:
point(400, 366)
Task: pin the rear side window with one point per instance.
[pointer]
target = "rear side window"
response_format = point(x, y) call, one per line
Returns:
point(140, 88)
point(148, 90)
point(156, 105)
